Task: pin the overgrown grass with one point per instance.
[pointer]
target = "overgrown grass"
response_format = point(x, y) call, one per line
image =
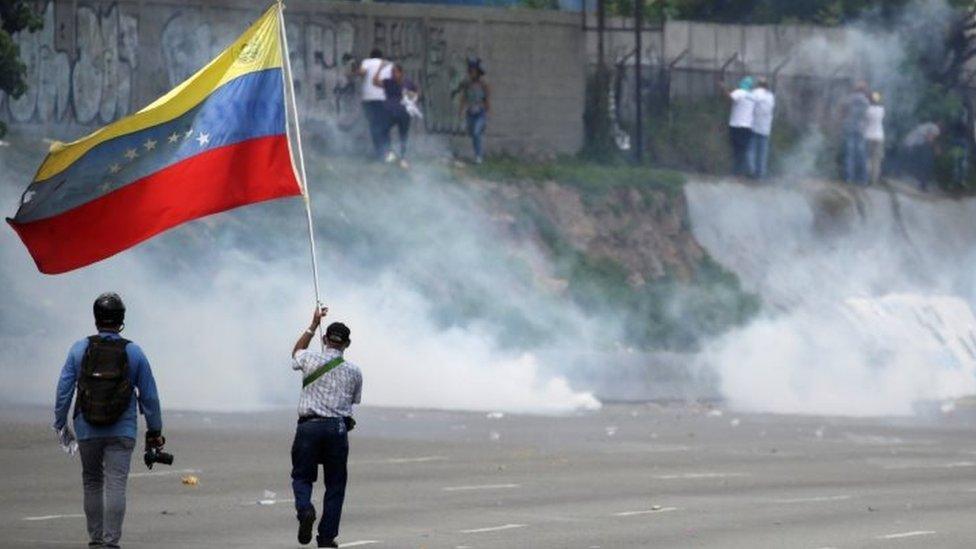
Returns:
point(590, 178)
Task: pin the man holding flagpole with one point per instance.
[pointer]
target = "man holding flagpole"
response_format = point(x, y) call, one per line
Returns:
point(330, 387)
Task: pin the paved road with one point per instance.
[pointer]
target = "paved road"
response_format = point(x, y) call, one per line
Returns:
point(627, 476)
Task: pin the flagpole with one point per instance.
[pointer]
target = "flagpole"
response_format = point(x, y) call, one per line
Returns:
point(290, 93)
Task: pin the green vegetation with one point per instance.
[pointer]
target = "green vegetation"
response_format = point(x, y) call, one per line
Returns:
point(15, 15)
point(693, 135)
point(672, 312)
point(666, 313)
point(589, 178)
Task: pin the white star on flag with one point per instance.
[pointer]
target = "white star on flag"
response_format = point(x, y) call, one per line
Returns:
point(28, 196)
point(174, 137)
point(131, 154)
point(115, 168)
point(203, 139)
point(150, 144)
point(188, 134)
point(105, 187)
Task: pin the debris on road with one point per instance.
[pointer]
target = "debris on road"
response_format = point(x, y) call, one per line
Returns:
point(190, 480)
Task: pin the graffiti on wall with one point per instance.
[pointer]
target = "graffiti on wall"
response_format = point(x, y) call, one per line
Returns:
point(88, 83)
point(82, 65)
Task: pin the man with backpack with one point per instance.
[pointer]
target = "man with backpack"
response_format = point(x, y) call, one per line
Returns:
point(330, 386)
point(109, 375)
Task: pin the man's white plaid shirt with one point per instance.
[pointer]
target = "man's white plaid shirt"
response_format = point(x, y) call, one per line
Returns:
point(333, 394)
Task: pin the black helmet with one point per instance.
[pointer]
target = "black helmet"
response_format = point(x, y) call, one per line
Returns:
point(109, 310)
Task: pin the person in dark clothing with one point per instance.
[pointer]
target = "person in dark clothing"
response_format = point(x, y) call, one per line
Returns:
point(855, 146)
point(475, 105)
point(394, 111)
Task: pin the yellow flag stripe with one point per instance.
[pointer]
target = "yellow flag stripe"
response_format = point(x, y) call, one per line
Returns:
point(259, 48)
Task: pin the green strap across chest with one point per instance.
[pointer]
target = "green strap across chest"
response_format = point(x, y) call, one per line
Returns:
point(322, 370)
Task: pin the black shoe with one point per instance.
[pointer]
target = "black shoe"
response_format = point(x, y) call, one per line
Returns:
point(327, 543)
point(306, 521)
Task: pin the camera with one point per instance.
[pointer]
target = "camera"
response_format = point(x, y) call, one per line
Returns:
point(155, 455)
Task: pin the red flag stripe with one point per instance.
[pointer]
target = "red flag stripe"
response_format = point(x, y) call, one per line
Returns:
point(220, 179)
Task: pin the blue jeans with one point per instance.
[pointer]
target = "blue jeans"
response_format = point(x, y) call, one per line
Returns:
point(399, 118)
point(320, 442)
point(759, 152)
point(855, 159)
point(741, 139)
point(376, 120)
point(476, 129)
point(104, 473)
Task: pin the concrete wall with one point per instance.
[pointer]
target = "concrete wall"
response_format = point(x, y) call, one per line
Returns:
point(95, 61)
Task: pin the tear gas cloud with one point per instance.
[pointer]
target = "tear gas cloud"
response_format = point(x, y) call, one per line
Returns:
point(217, 303)
point(867, 298)
point(868, 301)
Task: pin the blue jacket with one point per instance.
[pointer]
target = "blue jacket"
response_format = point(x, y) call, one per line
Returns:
point(145, 392)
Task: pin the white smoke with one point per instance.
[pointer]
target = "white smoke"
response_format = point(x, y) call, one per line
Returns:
point(217, 304)
point(868, 305)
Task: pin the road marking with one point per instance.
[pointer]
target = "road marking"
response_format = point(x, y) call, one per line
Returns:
point(645, 512)
point(164, 473)
point(907, 534)
point(52, 517)
point(421, 459)
point(699, 475)
point(951, 465)
point(359, 543)
point(493, 528)
point(479, 487)
point(269, 502)
point(812, 499)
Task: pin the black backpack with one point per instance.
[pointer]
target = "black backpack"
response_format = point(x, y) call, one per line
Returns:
point(104, 387)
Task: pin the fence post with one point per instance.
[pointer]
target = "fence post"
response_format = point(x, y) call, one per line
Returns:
point(638, 110)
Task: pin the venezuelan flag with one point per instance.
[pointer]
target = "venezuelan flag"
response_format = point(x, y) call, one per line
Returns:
point(217, 141)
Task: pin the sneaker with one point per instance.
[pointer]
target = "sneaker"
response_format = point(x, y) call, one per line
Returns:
point(404, 164)
point(306, 521)
point(478, 160)
point(391, 157)
point(327, 543)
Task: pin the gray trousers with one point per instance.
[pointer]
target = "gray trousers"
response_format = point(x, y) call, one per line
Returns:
point(104, 473)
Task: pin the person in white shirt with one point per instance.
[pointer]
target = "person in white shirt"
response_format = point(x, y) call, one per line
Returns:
point(740, 126)
point(874, 136)
point(373, 97)
point(762, 125)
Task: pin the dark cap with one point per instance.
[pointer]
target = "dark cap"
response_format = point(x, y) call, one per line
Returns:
point(337, 333)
